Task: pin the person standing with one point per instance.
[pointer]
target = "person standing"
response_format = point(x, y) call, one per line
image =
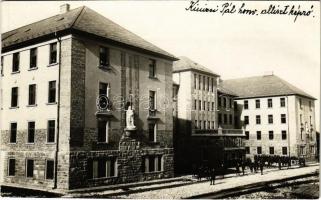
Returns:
point(243, 168)
point(213, 175)
point(261, 167)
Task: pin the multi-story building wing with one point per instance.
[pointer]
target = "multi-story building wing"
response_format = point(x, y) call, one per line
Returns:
point(278, 118)
point(55, 130)
point(199, 138)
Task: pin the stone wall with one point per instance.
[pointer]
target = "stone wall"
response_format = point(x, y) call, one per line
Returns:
point(129, 165)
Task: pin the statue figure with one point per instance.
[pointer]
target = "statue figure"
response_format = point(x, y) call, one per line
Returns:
point(130, 118)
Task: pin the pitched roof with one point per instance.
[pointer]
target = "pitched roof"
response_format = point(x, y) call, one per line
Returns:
point(262, 86)
point(85, 20)
point(224, 90)
point(186, 64)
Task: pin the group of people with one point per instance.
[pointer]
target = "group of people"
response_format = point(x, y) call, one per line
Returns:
point(260, 161)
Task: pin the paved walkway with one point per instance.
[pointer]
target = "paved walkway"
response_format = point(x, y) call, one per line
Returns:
point(220, 184)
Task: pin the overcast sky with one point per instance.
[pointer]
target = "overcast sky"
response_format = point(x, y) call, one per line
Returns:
point(231, 45)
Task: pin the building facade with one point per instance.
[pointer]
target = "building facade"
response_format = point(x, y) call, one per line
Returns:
point(65, 90)
point(200, 138)
point(277, 117)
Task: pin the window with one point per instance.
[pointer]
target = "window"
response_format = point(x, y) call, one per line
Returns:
point(224, 102)
point(259, 150)
point(103, 131)
point(208, 83)
point(152, 132)
point(247, 135)
point(282, 102)
point(103, 57)
point(195, 81)
point(271, 136)
point(204, 83)
point(200, 125)
point(1, 70)
point(212, 84)
point(284, 150)
point(270, 104)
point(225, 118)
point(283, 118)
point(195, 104)
point(51, 131)
point(246, 104)
point(52, 92)
point(219, 101)
point(271, 150)
point(32, 94)
point(270, 119)
point(31, 132)
point(103, 89)
point(199, 105)
point(310, 105)
point(204, 124)
point(152, 100)
point(247, 150)
point(257, 103)
point(258, 119)
point(208, 106)
point(152, 163)
point(11, 167)
point(104, 167)
point(33, 58)
point(212, 124)
point(195, 124)
point(301, 119)
point(50, 169)
point(258, 135)
point(213, 106)
point(219, 119)
point(300, 103)
point(13, 132)
point(246, 120)
point(199, 82)
point(152, 68)
point(14, 97)
point(29, 168)
point(231, 119)
point(15, 62)
point(204, 105)
point(53, 53)
point(283, 135)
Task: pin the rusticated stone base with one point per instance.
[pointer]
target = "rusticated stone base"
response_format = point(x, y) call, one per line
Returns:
point(130, 164)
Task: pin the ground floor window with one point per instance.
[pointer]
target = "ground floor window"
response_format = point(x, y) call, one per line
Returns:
point(50, 169)
point(271, 150)
point(152, 163)
point(29, 168)
point(284, 150)
point(259, 150)
point(11, 167)
point(103, 168)
point(247, 150)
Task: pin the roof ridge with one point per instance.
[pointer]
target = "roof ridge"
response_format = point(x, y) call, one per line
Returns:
point(78, 16)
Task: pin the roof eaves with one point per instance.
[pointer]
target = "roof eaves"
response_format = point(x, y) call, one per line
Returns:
point(196, 70)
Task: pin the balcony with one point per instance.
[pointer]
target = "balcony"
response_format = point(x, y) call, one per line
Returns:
point(217, 132)
point(152, 114)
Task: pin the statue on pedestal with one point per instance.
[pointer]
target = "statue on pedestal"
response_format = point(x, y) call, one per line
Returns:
point(130, 119)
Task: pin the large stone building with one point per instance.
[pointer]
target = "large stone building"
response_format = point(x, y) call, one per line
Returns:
point(204, 118)
point(277, 117)
point(55, 130)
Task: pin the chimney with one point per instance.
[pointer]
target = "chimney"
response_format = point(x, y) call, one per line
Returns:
point(64, 8)
point(268, 73)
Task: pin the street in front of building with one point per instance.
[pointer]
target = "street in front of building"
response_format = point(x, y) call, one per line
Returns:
point(90, 109)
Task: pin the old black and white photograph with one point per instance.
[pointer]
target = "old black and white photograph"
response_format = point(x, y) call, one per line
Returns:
point(189, 99)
